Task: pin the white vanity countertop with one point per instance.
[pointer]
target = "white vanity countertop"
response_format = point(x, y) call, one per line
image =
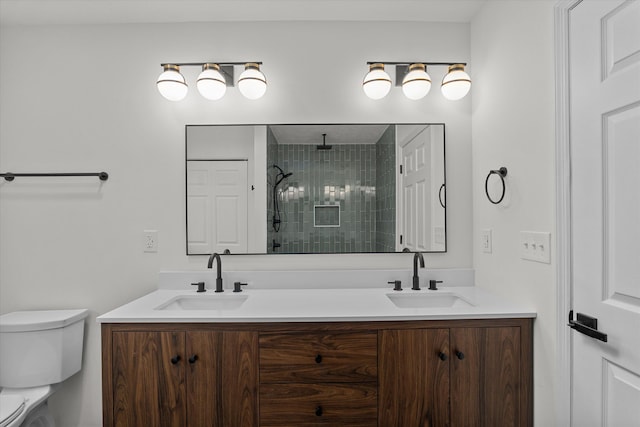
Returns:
point(316, 305)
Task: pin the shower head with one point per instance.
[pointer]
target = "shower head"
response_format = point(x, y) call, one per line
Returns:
point(324, 145)
point(286, 175)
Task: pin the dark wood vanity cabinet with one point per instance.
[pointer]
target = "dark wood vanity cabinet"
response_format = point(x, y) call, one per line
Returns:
point(476, 375)
point(405, 373)
point(154, 376)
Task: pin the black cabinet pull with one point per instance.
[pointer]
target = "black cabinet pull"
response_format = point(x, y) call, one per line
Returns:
point(319, 358)
point(319, 411)
point(442, 356)
point(193, 359)
point(175, 359)
point(459, 354)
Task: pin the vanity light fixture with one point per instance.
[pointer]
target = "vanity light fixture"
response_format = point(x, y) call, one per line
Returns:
point(252, 83)
point(415, 81)
point(211, 83)
point(213, 80)
point(171, 83)
point(376, 83)
point(456, 83)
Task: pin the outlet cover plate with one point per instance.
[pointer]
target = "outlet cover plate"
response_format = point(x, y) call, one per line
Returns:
point(150, 240)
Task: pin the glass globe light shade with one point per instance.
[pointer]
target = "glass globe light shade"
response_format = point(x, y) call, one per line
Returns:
point(252, 83)
point(171, 83)
point(456, 84)
point(211, 83)
point(417, 83)
point(376, 83)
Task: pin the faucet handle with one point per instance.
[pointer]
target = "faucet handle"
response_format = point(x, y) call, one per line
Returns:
point(397, 285)
point(237, 286)
point(200, 286)
point(432, 284)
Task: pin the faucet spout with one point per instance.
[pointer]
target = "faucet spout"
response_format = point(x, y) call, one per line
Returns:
point(417, 257)
point(216, 257)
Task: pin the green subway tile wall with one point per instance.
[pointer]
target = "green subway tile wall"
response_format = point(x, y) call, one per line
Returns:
point(360, 179)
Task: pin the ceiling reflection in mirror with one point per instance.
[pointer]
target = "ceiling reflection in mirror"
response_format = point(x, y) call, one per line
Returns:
point(318, 188)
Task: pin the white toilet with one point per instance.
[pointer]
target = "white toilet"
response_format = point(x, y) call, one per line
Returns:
point(38, 350)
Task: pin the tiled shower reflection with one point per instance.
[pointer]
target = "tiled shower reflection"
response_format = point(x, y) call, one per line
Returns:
point(357, 178)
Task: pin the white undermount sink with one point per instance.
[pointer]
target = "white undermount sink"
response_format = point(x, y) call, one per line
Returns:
point(204, 302)
point(427, 300)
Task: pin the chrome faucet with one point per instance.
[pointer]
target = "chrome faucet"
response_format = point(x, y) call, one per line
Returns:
point(417, 256)
point(216, 256)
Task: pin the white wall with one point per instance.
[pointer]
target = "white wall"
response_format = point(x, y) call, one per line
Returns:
point(513, 126)
point(76, 98)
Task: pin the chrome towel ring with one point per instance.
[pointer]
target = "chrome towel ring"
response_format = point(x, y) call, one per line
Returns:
point(502, 172)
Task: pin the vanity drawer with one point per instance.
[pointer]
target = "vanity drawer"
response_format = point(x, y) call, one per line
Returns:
point(318, 357)
point(318, 404)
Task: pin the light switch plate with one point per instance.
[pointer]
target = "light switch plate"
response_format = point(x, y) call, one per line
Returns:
point(535, 246)
point(485, 241)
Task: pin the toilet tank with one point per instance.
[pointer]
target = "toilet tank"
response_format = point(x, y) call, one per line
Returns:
point(40, 347)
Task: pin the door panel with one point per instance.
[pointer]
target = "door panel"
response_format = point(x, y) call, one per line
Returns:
point(413, 382)
point(604, 64)
point(204, 397)
point(486, 386)
point(148, 388)
point(239, 365)
point(217, 206)
point(416, 190)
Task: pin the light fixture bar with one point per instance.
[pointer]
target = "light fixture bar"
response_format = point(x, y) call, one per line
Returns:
point(200, 64)
point(212, 82)
point(415, 80)
point(415, 62)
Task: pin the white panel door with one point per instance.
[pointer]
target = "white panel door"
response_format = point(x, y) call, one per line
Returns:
point(416, 191)
point(604, 76)
point(217, 206)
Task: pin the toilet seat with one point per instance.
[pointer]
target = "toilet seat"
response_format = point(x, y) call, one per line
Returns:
point(11, 407)
point(32, 400)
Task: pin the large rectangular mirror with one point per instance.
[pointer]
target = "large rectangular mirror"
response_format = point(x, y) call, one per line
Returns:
point(319, 188)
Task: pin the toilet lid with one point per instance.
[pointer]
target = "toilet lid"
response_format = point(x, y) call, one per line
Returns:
point(11, 406)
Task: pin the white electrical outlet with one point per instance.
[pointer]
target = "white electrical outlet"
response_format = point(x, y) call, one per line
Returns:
point(485, 241)
point(150, 240)
point(535, 246)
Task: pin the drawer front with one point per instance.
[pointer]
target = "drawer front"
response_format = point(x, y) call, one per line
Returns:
point(318, 404)
point(321, 357)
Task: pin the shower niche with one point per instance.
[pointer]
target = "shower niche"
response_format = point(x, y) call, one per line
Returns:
point(319, 188)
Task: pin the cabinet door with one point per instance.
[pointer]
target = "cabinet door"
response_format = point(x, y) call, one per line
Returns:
point(222, 383)
point(486, 381)
point(413, 377)
point(204, 399)
point(239, 365)
point(148, 379)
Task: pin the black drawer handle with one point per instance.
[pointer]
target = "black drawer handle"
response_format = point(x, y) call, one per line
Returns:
point(459, 354)
point(442, 356)
point(319, 411)
point(319, 360)
point(175, 359)
point(193, 359)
